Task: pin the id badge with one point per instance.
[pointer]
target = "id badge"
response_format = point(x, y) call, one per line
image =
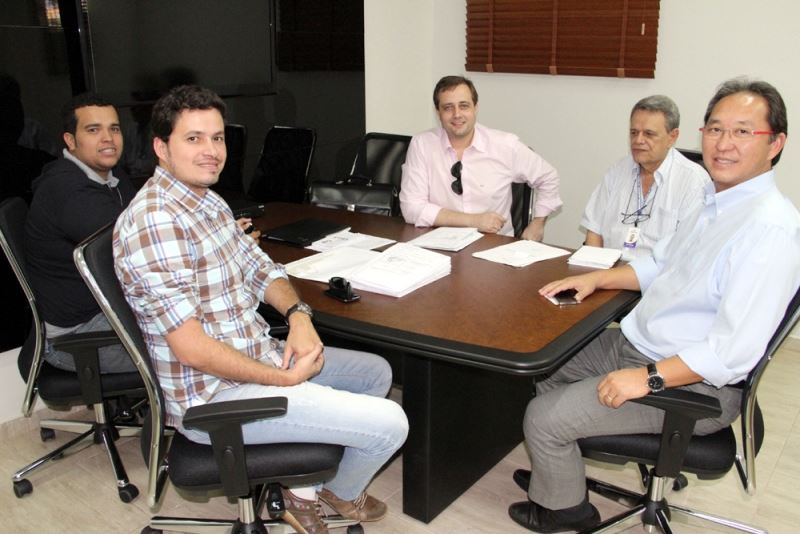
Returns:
point(632, 237)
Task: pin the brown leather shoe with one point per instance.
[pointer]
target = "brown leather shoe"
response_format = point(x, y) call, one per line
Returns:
point(362, 508)
point(306, 513)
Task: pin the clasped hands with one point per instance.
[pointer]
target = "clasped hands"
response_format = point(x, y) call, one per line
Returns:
point(303, 352)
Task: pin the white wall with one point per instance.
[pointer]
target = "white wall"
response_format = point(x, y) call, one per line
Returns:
point(580, 124)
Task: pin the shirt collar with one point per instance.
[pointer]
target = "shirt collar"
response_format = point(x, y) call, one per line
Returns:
point(185, 196)
point(479, 139)
point(661, 172)
point(112, 180)
point(739, 193)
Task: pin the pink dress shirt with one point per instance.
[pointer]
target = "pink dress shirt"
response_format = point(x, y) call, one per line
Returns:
point(491, 164)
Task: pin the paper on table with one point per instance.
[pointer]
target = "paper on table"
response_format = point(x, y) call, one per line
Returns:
point(520, 253)
point(346, 238)
point(400, 269)
point(596, 257)
point(325, 265)
point(447, 238)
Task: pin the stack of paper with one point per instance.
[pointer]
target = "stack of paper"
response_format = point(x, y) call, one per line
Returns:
point(397, 271)
point(336, 262)
point(447, 238)
point(346, 238)
point(595, 257)
point(400, 269)
point(520, 253)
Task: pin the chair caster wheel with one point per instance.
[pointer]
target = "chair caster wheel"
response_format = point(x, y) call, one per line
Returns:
point(148, 530)
point(355, 529)
point(128, 493)
point(22, 488)
point(679, 483)
point(46, 434)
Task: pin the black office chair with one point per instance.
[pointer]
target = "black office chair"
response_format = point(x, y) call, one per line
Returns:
point(231, 177)
point(380, 158)
point(253, 474)
point(693, 155)
point(521, 207)
point(676, 450)
point(282, 171)
point(58, 388)
point(374, 182)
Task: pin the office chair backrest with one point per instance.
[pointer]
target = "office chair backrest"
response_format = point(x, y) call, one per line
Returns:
point(521, 207)
point(282, 171)
point(751, 419)
point(693, 155)
point(380, 158)
point(95, 261)
point(13, 213)
point(230, 179)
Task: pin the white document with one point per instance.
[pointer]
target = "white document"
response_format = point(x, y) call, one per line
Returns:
point(325, 265)
point(346, 238)
point(520, 253)
point(447, 238)
point(596, 257)
point(400, 269)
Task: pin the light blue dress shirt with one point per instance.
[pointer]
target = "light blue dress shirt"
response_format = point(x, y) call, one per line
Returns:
point(714, 291)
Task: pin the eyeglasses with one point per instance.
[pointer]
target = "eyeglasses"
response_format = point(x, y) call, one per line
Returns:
point(455, 171)
point(714, 132)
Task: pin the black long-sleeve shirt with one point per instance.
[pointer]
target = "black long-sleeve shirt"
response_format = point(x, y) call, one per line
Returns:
point(67, 208)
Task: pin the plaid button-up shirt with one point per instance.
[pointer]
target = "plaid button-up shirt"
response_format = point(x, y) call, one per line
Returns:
point(180, 256)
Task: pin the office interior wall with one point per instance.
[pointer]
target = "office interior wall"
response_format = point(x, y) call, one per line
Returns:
point(580, 124)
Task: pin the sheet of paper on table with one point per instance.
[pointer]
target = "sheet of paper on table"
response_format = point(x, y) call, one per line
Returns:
point(346, 238)
point(447, 238)
point(520, 253)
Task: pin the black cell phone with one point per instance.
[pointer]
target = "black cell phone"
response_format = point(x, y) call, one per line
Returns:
point(564, 298)
point(343, 298)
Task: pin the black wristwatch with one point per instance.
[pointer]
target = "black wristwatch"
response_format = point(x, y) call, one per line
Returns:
point(301, 307)
point(654, 380)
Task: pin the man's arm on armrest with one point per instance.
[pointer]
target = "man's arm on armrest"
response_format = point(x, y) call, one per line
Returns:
point(626, 384)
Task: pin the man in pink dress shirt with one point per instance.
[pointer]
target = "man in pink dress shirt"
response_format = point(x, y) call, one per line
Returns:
point(461, 174)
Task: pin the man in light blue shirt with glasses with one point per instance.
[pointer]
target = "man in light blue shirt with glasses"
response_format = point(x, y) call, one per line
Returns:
point(713, 293)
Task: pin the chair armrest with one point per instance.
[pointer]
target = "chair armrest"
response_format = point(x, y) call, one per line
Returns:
point(215, 415)
point(223, 421)
point(686, 403)
point(94, 340)
point(84, 349)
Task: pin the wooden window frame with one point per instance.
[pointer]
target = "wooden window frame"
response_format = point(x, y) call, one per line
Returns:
point(616, 38)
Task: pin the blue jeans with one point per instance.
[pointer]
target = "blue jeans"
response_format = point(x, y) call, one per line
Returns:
point(345, 404)
point(112, 358)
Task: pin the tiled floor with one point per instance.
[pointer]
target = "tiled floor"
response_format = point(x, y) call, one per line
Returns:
point(77, 495)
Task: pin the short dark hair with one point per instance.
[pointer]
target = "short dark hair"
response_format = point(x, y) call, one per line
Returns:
point(776, 108)
point(179, 99)
point(660, 104)
point(68, 118)
point(451, 82)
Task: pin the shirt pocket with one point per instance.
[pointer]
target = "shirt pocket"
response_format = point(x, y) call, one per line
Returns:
point(663, 222)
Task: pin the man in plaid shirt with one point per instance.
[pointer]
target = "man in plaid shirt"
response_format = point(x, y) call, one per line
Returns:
point(194, 280)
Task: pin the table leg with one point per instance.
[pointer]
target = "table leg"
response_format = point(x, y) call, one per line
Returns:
point(463, 420)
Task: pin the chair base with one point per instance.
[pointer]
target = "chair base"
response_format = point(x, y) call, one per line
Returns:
point(655, 511)
point(160, 524)
point(88, 432)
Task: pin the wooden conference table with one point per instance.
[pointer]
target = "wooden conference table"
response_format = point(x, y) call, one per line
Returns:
point(470, 343)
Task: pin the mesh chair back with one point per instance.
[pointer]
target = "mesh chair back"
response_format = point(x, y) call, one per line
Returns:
point(380, 158)
point(282, 171)
point(95, 261)
point(13, 213)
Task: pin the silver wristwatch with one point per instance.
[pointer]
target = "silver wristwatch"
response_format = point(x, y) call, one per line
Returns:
point(655, 382)
point(301, 307)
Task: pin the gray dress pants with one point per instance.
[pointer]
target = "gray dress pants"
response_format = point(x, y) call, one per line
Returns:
point(566, 408)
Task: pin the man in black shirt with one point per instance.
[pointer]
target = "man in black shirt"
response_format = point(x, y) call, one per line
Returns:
point(74, 197)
